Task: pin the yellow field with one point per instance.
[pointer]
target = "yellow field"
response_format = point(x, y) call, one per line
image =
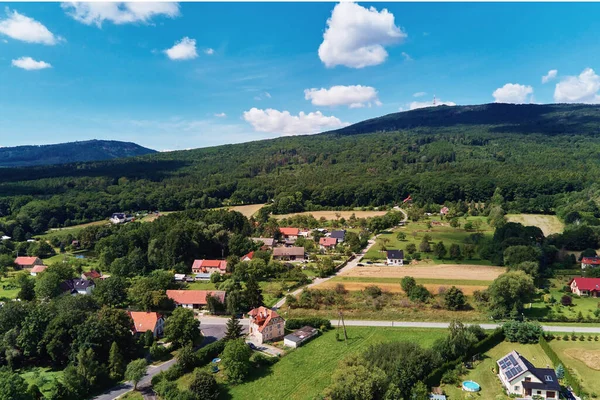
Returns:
point(395, 287)
point(248, 210)
point(329, 215)
point(549, 224)
point(441, 271)
point(591, 358)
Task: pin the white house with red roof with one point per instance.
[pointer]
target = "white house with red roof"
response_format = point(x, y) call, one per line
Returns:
point(209, 266)
point(326, 243)
point(266, 325)
point(590, 262)
point(194, 298)
point(290, 233)
point(248, 257)
point(37, 269)
point(585, 286)
point(147, 321)
point(28, 262)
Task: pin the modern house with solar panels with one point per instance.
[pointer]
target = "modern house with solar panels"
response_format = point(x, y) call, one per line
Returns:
point(521, 378)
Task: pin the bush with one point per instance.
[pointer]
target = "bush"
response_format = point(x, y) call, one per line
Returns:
point(522, 332)
point(373, 291)
point(260, 360)
point(315, 322)
point(209, 352)
point(157, 352)
point(419, 293)
point(566, 300)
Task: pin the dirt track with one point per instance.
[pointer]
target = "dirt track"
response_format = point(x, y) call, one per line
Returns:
point(441, 271)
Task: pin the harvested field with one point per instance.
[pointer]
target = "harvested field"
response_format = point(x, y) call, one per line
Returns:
point(248, 210)
point(329, 215)
point(549, 224)
point(591, 358)
point(395, 287)
point(440, 271)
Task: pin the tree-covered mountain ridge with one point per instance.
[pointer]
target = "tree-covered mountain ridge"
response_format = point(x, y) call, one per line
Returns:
point(63, 153)
point(543, 158)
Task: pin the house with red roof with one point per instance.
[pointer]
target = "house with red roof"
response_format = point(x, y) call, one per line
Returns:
point(37, 269)
point(265, 324)
point(248, 257)
point(28, 262)
point(585, 286)
point(209, 266)
point(147, 321)
point(93, 274)
point(326, 243)
point(290, 234)
point(590, 262)
point(194, 299)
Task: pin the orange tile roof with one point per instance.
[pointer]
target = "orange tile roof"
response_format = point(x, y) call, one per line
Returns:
point(25, 260)
point(144, 321)
point(327, 241)
point(289, 231)
point(249, 255)
point(202, 264)
point(262, 316)
point(92, 274)
point(38, 268)
point(194, 296)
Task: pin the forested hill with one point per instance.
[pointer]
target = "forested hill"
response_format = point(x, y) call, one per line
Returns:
point(63, 153)
point(550, 119)
point(543, 158)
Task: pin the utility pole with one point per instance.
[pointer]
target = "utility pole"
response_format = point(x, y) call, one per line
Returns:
point(343, 325)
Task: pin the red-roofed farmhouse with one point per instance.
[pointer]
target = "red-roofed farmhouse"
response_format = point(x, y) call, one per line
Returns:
point(194, 298)
point(265, 324)
point(209, 266)
point(585, 286)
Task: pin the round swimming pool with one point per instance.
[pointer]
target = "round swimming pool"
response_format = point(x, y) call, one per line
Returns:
point(470, 386)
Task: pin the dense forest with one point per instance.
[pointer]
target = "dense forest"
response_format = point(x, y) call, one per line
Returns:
point(62, 153)
point(543, 158)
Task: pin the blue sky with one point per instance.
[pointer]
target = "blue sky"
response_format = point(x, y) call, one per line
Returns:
point(237, 72)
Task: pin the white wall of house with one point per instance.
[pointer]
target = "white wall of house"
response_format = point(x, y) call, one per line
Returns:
point(290, 343)
point(394, 261)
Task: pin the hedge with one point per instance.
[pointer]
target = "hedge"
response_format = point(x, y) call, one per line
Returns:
point(485, 344)
point(315, 322)
point(569, 378)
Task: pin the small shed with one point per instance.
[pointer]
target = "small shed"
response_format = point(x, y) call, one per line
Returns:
point(298, 337)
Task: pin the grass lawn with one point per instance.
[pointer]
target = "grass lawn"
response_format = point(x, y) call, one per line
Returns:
point(586, 305)
point(8, 289)
point(44, 378)
point(583, 358)
point(484, 375)
point(132, 396)
point(305, 372)
point(415, 231)
point(422, 281)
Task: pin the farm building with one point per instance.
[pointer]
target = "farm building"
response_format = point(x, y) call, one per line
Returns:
point(519, 377)
point(28, 262)
point(267, 242)
point(298, 337)
point(209, 266)
point(203, 276)
point(194, 299)
point(265, 324)
point(147, 321)
point(590, 262)
point(585, 286)
point(290, 233)
point(288, 253)
point(395, 257)
point(37, 269)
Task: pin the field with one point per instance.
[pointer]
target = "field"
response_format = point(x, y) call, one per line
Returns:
point(395, 287)
point(415, 231)
point(43, 377)
point(248, 210)
point(483, 372)
point(442, 271)
point(8, 289)
point(330, 215)
point(583, 358)
point(549, 224)
point(305, 372)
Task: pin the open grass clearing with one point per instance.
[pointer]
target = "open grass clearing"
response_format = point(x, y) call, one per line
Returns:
point(582, 358)
point(44, 378)
point(395, 287)
point(422, 281)
point(247, 210)
point(304, 373)
point(549, 224)
point(484, 375)
point(442, 271)
point(8, 288)
point(332, 215)
point(540, 309)
point(440, 231)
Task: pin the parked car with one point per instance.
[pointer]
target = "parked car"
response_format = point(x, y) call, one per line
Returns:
point(360, 265)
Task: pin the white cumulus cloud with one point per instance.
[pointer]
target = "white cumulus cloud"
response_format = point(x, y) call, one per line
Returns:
point(221, 115)
point(579, 89)
point(419, 94)
point(282, 122)
point(209, 51)
point(30, 64)
point(356, 36)
point(422, 104)
point(119, 13)
point(185, 49)
point(513, 93)
point(550, 76)
point(20, 27)
point(354, 96)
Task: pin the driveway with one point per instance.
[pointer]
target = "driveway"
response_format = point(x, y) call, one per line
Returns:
point(265, 348)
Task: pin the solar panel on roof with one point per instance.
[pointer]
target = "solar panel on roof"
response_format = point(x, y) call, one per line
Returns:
point(518, 369)
point(512, 359)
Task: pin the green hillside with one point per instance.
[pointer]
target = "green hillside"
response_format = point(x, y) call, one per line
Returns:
point(536, 154)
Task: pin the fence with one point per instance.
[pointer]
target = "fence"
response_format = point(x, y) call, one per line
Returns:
point(569, 378)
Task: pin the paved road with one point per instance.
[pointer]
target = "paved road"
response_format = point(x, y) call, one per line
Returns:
point(211, 332)
point(433, 325)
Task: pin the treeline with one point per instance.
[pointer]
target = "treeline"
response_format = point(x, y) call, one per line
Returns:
point(455, 162)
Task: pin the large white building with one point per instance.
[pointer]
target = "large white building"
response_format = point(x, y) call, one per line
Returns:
point(519, 377)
